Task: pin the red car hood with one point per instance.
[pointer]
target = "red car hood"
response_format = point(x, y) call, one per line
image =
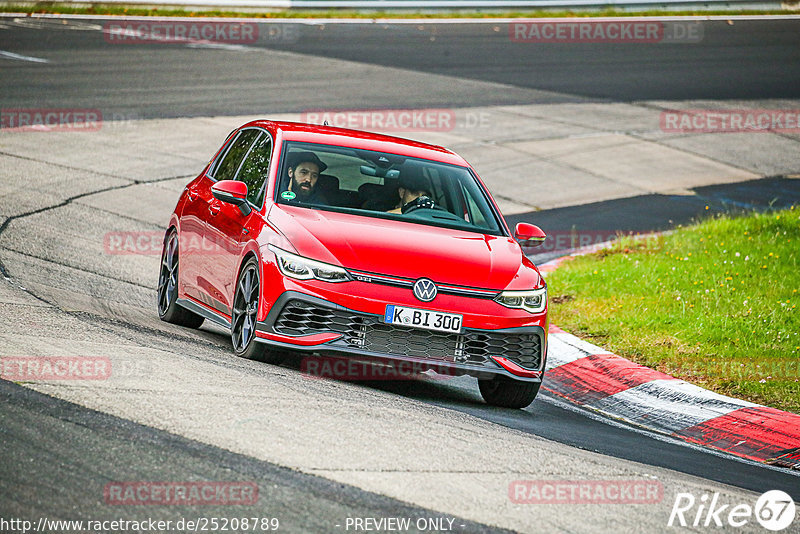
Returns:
point(406, 250)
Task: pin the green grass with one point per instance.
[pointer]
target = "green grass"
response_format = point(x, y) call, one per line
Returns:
point(717, 304)
point(102, 9)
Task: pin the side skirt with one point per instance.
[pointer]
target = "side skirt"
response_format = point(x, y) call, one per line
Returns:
point(203, 311)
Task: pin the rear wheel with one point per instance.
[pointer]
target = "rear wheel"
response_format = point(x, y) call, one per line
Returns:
point(507, 392)
point(168, 309)
point(245, 316)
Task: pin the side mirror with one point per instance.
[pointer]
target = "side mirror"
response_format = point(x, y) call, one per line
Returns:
point(232, 192)
point(529, 235)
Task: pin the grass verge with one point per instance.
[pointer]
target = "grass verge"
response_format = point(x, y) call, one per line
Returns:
point(716, 304)
point(120, 10)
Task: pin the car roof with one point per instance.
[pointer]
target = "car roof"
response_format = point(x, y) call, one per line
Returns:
point(332, 135)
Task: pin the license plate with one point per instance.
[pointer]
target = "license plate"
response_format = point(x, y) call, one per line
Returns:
point(429, 320)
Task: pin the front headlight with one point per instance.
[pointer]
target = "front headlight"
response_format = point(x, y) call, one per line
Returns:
point(533, 301)
point(301, 268)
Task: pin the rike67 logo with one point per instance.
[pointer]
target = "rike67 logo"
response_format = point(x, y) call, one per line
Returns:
point(774, 510)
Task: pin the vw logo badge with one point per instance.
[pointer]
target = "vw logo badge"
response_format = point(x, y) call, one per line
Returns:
point(425, 290)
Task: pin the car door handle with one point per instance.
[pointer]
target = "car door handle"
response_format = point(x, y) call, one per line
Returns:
point(214, 209)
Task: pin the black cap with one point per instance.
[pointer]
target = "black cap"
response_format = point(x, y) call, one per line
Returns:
point(296, 158)
point(412, 179)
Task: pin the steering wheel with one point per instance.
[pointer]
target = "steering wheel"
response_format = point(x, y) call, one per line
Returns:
point(423, 202)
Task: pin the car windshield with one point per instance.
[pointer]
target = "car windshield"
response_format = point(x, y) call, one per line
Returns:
point(383, 185)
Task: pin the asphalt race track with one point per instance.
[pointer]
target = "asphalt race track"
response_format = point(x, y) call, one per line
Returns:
point(737, 60)
point(319, 451)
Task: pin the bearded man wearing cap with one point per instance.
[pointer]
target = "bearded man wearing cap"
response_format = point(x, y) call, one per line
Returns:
point(304, 171)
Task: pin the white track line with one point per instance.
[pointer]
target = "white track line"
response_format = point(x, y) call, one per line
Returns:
point(61, 23)
point(19, 57)
point(670, 18)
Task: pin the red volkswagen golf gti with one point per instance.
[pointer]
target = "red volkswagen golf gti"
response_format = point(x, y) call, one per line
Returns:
point(345, 243)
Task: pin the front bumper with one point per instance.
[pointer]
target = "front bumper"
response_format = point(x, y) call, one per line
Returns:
point(303, 322)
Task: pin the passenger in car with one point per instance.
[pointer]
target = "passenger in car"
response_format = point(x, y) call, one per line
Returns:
point(377, 197)
point(414, 191)
point(304, 170)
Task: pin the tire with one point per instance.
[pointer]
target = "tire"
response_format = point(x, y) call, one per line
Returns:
point(508, 393)
point(167, 293)
point(244, 317)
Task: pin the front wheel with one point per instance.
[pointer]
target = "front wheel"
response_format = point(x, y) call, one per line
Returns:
point(244, 316)
point(508, 393)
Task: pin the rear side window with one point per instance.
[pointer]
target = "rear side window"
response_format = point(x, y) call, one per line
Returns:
point(226, 170)
point(255, 169)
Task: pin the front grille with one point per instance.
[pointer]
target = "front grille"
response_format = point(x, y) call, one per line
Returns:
point(413, 342)
point(368, 333)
